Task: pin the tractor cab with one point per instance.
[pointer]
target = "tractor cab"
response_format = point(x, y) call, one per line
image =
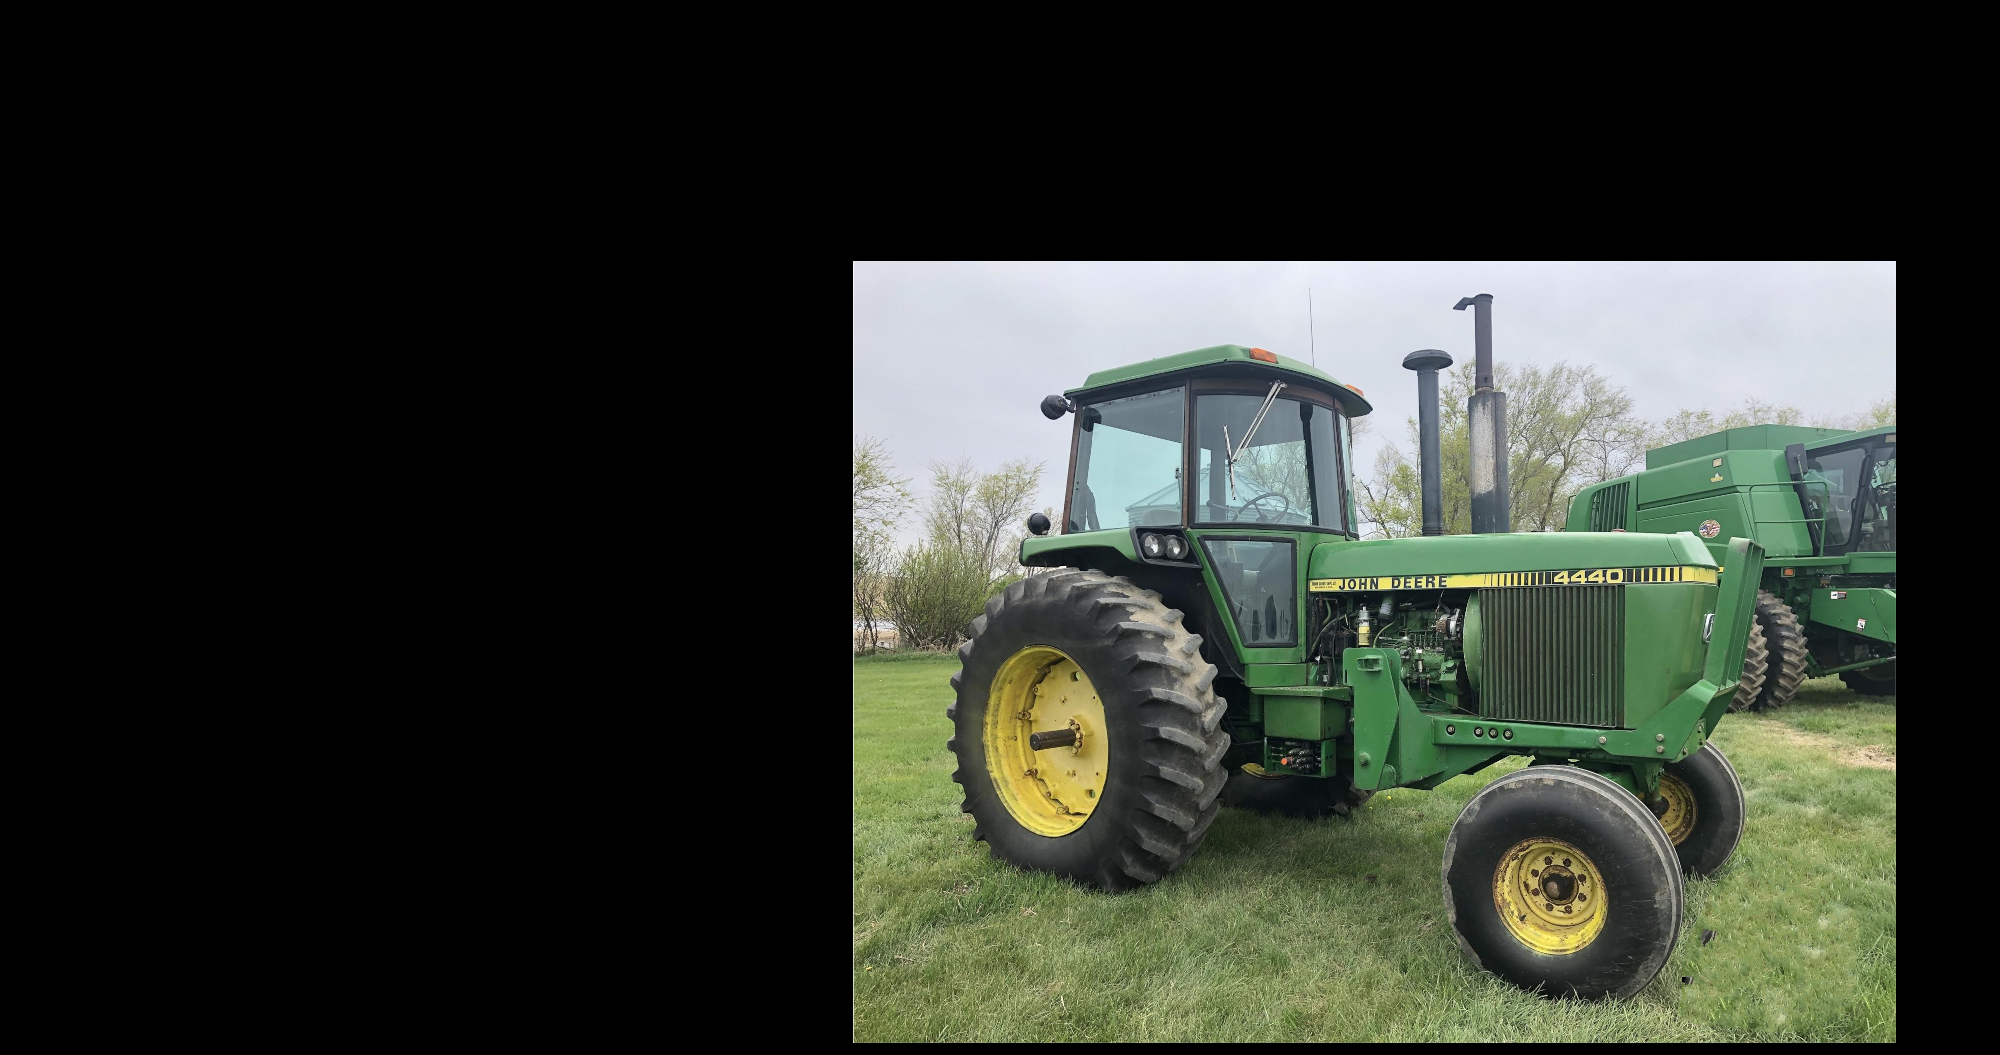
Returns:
point(1229, 449)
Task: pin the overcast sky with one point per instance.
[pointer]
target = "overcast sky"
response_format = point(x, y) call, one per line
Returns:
point(952, 359)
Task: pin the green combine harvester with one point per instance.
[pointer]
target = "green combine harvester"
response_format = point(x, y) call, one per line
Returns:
point(1213, 630)
point(1822, 503)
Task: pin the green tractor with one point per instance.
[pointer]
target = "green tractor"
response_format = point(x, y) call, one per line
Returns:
point(1208, 628)
point(1822, 503)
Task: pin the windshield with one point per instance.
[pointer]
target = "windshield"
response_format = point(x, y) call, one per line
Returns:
point(1878, 518)
point(1290, 474)
point(1128, 462)
point(1859, 496)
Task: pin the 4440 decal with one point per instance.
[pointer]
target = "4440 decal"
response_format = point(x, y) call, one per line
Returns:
point(1491, 580)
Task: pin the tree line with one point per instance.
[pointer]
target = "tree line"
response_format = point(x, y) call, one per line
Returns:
point(973, 524)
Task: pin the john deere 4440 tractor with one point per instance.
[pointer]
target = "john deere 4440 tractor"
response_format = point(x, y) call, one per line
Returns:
point(1211, 629)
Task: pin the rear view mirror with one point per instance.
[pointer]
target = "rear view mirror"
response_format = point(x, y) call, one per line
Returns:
point(1795, 460)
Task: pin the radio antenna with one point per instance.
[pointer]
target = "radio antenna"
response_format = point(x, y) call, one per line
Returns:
point(1312, 344)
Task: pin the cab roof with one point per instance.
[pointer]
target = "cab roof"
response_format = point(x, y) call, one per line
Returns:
point(1756, 438)
point(1238, 358)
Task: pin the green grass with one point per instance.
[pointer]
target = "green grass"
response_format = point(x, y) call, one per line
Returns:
point(1335, 930)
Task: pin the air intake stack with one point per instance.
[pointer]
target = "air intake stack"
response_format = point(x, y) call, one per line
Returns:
point(1486, 421)
point(1427, 362)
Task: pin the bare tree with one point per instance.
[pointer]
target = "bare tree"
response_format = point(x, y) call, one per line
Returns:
point(981, 514)
point(879, 500)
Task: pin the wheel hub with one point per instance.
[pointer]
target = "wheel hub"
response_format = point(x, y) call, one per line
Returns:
point(1550, 896)
point(1045, 746)
point(1679, 818)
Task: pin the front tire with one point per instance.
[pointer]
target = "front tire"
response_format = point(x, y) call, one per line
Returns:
point(1705, 809)
point(1561, 881)
point(1089, 656)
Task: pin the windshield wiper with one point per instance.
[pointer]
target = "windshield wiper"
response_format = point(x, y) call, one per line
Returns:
point(1247, 434)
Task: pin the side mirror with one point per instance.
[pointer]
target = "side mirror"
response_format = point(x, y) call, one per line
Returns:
point(1054, 407)
point(1038, 524)
point(1795, 460)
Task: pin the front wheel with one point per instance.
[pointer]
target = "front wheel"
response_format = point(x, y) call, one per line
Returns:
point(1704, 809)
point(1562, 882)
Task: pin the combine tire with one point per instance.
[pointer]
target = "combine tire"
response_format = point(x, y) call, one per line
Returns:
point(1705, 814)
point(1560, 881)
point(1251, 788)
point(1756, 667)
point(1872, 681)
point(1088, 735)
point(1787, 644)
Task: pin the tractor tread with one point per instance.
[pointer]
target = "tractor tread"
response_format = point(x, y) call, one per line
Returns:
point(1785, 640)
point(1159, 694)
point(1756, 667)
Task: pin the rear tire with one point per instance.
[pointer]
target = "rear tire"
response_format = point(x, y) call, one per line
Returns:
point(1878, 685)
point(1284, 795)
point(1705, 810)
point(1160, 742)
point(1756, 667)
point(1786, 641)
point(1602, 856)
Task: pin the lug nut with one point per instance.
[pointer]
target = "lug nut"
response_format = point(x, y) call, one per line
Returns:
point(1601, 739)
point(1659, 750)
point(1451, 730)
point(1660, 737)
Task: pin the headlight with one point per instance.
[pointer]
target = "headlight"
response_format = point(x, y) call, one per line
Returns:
point(1151, 545)
point(1176, 547)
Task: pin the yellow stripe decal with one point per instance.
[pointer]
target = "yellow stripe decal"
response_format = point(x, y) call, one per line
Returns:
point(1491, 580)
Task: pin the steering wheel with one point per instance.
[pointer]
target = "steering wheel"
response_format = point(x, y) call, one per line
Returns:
point(1261, 518)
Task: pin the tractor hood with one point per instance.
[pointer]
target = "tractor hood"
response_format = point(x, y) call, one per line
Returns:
point(1526, 551)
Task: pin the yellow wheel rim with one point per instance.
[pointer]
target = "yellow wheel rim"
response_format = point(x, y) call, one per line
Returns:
point(1053, 791)
point(1680, 816)
point(1550, 896)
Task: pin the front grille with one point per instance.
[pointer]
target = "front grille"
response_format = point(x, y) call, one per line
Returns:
point(1607, 507)
point(1553, 654)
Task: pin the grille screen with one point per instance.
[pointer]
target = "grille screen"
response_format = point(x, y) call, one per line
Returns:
point(1607, 507)
point(1553, 654)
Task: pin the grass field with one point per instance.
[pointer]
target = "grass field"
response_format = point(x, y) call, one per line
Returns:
point(1335, 930)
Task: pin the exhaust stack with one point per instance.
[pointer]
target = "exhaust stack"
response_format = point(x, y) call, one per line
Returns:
point(1427, 362)
point(1486, 421)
